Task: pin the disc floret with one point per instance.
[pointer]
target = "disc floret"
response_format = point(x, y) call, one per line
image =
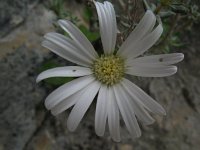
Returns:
point(109, 69)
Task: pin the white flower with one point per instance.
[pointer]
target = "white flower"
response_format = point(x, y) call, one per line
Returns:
point(105, 75)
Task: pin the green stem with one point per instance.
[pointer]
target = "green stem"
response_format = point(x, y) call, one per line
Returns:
point(146, 5)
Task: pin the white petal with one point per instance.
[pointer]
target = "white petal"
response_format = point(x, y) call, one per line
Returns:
point(145, 26)
point(79, 38)
point(144, 44)
point(109, 7)
point(82, 105)
point(65, 52)
point(67, 90)
point(127, 112)
point(67, 103)
point(138, 109)
point(69, 71)
point(71, 45)
point(108, 25)
point(101, 111)
point(113, 116)
point(157, 60)
point(143, 98)
point(151, 71)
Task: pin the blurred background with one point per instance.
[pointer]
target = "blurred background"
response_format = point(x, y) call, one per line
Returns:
point(24, 122)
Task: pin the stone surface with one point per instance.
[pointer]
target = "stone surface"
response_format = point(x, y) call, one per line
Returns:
point(13, 13)
point(20, 99)
point(21, 53)
point(30, 33)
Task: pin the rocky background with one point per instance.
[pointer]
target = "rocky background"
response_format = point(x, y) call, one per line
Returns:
point(26, 125)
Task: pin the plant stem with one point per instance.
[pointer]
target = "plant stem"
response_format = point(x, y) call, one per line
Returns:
point(146, 5)
point(158, 9)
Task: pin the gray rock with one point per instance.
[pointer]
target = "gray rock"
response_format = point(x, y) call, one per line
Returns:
point(20, 99)
point(21, 109)
point(13, 13)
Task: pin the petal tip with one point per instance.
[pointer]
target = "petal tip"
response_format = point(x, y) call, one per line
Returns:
point(37, 80)
point(149, 123)
point(54, 113)
point(175, 70)
point(107, 2)
point(116, 140)
point(182, 56)
point(47, 105)
point(149, 12)
point(139, 134)
point(99, 133)
point(61, 20)
point(162, 112)
point(70, 127)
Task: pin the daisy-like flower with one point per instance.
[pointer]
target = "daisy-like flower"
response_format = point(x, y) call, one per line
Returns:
point(105, 75)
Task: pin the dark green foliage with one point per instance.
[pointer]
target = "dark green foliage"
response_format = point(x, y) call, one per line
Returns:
point(55, 81)
point(92, 36)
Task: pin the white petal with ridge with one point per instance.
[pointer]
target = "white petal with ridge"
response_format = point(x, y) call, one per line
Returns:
point(82, 105)
point(69, 71)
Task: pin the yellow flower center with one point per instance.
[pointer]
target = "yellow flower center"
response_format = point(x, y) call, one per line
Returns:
point(109, 69)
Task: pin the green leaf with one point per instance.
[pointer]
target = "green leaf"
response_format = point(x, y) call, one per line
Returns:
point(57, 6)
point(175, 41)
point(48, 65)
point(166, 49)
point(54, 81)
point(87, 14)
point(57, 81)
point(92, 36)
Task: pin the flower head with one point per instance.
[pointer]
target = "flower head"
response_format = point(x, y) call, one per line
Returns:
point(105, 75)
point(109, 69)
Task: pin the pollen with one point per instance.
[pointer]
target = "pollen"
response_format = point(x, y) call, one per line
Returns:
point(108, 70)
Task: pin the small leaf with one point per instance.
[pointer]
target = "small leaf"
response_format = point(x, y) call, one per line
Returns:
point(166, 49)
point(175, 41)
point(166, 14)
point(179, 8)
